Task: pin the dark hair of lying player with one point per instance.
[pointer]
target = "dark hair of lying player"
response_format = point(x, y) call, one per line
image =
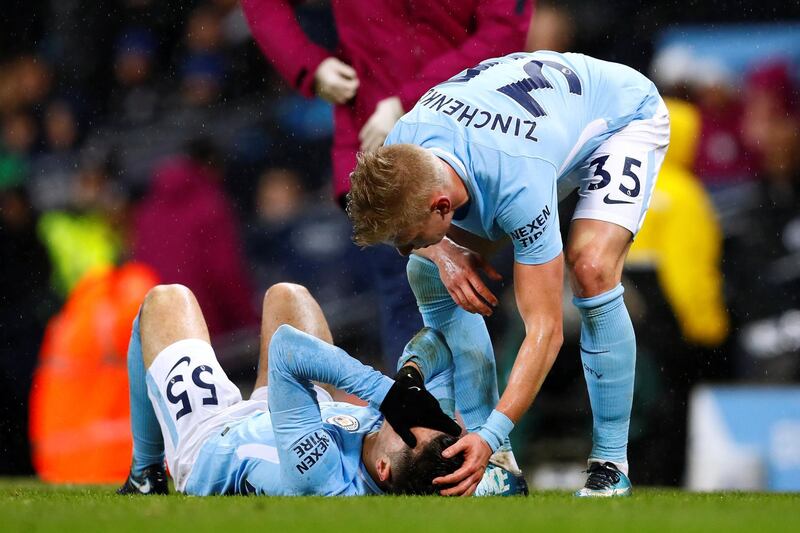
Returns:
point(414, 473)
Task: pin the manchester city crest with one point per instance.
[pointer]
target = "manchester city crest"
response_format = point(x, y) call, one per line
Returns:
point(347, 422)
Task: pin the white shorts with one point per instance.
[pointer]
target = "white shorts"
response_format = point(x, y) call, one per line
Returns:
point(617, 180)
point(193, 399)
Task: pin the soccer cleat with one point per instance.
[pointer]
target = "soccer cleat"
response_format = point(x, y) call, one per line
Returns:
point(152, 481)
point(497, 481)
point(604, 481)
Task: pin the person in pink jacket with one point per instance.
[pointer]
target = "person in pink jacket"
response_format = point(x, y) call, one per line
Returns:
point(186, 229)
point(389, 53)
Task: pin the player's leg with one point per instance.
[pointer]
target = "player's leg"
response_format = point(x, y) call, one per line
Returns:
point(168, 314)
point(475, 375)
point(191, 395)
point(614, 197)
point(288, 303)
point(147, 473)
point(596, 253)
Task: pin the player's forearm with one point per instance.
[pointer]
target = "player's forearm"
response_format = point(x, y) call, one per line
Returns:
point(534, 360)
point(297, 358)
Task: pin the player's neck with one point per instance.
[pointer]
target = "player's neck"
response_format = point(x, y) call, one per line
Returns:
point(456, 189)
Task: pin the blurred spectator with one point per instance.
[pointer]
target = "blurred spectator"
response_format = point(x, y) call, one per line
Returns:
point(79, 416)
point(204, 30)
point(286, 244)
point(19, 135)
point(204, 63)
point(279, 197)
point(53, 168)
point(32, 80)
point(280, 202)
point(60, 127)
point(768, 98)
point(722, 159)
point(762, 267)
point(82, 237)
point(134, 100)
point(25, 306)
point(186, 229)
point(553, 28)
point(201, 79)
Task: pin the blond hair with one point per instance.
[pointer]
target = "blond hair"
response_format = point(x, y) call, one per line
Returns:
point(390, 191)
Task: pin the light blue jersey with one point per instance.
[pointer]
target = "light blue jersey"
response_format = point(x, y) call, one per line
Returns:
point(244, 458)
point(299, 446)
point(513, 126)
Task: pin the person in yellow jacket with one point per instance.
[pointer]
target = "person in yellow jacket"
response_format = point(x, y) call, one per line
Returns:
point(681, 238)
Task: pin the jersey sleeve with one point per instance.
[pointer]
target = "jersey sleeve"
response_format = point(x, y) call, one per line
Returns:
point(310, 459)
point(528, 213)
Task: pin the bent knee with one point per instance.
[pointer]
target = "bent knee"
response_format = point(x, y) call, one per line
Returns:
point(592, 273)
point(284, 291)
point(166, 295)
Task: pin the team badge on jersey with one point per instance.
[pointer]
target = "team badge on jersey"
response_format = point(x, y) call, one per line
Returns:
point(347, 422)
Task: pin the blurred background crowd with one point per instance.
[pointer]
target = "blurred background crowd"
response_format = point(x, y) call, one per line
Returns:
point(145, 141)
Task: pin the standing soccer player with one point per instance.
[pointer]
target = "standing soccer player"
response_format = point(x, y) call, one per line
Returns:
point(484, 157)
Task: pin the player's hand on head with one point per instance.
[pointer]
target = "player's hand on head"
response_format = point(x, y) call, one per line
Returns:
point(377, 128)
point(460, 268)
point(408, 405)
point(464, 481)
point(335, 81)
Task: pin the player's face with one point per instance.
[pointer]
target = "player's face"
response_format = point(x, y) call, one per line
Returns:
point(426, 234)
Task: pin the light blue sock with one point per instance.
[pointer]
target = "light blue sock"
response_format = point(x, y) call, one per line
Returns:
point(435, 361)
point(608, 353)
point(148, 443)
point(475, 375)
point(440, 385)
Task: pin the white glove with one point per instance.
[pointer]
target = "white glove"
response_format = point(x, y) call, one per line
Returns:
point(335, 81)
point(387, 112)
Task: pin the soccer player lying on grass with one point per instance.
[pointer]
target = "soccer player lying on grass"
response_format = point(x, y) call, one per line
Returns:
point(289, 438)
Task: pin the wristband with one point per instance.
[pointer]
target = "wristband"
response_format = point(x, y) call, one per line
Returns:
point(496, 429)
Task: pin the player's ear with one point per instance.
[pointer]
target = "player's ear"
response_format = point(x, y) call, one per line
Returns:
point(384, 469)
point(441, 205)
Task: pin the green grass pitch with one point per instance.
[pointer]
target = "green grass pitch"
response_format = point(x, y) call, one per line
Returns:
point(30, 506)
